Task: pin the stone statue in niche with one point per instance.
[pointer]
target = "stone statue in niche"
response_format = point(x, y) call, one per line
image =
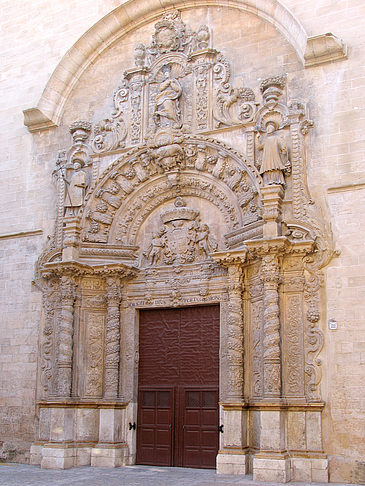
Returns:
point(181, 239)
point(274, 155)
point(167, 107)
point(75, 190)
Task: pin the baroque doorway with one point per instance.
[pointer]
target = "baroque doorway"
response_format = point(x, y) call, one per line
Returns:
point(191, 199)
point(178, 387)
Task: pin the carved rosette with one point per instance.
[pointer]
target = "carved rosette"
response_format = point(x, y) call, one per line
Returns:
point(65, 335)
point(235, 333)
point(112, 339)
point(270, 276)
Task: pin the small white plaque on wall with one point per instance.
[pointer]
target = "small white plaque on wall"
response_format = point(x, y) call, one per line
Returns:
point(332, 324)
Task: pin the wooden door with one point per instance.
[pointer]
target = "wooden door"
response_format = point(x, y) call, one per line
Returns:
point(178, 387)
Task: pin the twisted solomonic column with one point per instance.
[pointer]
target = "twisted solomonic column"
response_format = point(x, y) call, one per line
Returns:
point(235, 334)
point(112, 339)
point(270, 276)
point(65, 336)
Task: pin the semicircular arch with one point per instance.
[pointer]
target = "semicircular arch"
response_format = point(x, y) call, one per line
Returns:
point(135, 185)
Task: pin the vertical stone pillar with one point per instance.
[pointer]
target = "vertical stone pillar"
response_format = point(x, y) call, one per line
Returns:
point(112, 338)
point(71, 238)
point(270, 276)
point(272, 197)
point(65, 336)
point(235, 334)
point(232, 457)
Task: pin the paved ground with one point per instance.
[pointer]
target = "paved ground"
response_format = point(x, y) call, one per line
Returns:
point(24, 475)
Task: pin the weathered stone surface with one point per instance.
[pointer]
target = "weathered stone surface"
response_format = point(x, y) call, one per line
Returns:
point(178, 165)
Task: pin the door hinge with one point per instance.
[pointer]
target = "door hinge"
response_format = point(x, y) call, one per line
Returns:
point(220, 428)
point(132, 426)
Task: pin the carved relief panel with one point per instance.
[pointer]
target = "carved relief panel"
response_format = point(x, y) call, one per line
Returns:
point(90, 339)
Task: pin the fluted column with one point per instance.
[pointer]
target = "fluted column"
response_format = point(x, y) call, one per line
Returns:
point(270, 276)
point(235, 334)
point(112, 346)
point(65, 336)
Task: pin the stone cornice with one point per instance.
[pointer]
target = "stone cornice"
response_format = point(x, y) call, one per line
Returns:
point(230, 257)
point(76, 269)
point(253, 249)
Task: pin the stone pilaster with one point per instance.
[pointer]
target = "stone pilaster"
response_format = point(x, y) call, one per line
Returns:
point(71, 238)
point(112, 350)
point(65, 336)
point(272, 197)
point(270, 276)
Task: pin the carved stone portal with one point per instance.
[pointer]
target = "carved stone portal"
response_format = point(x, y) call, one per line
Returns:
point(177, 217)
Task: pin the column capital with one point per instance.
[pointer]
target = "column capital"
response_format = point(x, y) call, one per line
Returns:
point(113, 289)
point(230, 258)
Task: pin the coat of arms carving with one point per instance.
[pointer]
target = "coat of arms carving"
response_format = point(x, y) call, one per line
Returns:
point(182, 237)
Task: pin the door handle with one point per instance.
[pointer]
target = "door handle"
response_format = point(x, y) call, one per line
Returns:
point(220, 428)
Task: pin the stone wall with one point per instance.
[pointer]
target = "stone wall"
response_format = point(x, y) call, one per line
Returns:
point(35, 40)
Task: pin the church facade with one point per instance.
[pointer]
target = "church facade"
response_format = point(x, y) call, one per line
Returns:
point(188, 244)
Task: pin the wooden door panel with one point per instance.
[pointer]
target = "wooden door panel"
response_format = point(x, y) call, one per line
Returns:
point(200, 427)
point(154, 432)
point(178, 387)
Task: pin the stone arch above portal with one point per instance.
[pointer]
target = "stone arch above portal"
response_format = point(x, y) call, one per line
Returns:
point(141, 182)
point(133, 13)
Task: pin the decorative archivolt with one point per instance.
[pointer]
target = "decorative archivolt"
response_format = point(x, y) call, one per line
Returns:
point(137, 184)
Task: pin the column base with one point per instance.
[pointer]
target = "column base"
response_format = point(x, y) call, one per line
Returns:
point(55, 457)
point(109, 456)
point(232, 462)
point(61, 457)
point(309, 469)
point(35, 454)
point(275, 468)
